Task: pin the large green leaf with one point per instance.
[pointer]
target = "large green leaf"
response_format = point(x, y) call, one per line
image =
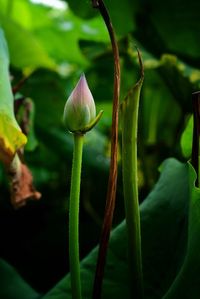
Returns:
point(25, 50)
point(187, 282)
point(11, 137)
point(62, 36)
point(177, 22)
point(50, 39)
point(163, 220)
point(12, 286)
point(172, 27)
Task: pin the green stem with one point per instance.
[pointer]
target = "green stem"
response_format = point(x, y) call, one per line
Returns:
point(130, 184)
point(9, 8)
point(74, 217)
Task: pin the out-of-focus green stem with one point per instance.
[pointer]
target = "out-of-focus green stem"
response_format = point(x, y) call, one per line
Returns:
point(9, 8)
point(130, 108)
point(74, 217)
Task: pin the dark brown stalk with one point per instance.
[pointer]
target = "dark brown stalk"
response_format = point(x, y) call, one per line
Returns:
point(196, 133)
point(112, 182)
point(19, 84)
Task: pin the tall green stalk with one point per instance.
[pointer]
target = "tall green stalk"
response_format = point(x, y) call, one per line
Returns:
point(130, 108)
point(79, 118)
point(74, 217)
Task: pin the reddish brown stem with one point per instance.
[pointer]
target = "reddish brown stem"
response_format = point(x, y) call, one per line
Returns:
point(19, 84)
point(196, 133)
point(112, 182)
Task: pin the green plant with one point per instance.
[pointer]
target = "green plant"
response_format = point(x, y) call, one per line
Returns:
point(129, 112)
point(79, 118)
point(48, 53)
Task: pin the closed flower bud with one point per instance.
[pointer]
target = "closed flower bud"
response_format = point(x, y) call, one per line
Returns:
point(79, 111)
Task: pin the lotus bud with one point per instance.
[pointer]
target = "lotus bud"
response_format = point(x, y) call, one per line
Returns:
point(80, 111)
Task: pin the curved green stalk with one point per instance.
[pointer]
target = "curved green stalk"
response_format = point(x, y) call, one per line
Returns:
point(130, 184)
point(74, 217)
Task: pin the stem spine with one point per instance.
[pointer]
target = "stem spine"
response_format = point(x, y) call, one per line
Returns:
point(74, 217)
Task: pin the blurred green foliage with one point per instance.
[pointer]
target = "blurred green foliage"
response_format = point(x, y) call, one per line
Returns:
point(53, 47)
